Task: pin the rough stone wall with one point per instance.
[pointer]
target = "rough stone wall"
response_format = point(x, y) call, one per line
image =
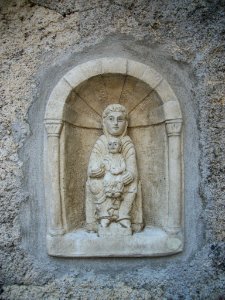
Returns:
point(38, 34)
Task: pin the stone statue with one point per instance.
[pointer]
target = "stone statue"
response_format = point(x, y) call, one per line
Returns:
point(112, 174)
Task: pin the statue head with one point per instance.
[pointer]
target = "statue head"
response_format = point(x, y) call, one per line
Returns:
point(115, 120)
point(114, 145)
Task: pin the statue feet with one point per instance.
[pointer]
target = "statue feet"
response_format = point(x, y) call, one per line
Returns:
point(105, 223)
point(125, 223)
point(114, 230)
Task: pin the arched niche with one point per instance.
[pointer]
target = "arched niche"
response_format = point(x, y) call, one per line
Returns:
point(73, 123)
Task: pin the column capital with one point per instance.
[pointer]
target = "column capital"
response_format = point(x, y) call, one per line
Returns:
point(53, 127)
point(173, 127)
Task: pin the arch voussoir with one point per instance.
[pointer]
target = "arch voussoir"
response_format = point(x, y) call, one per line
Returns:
point(111, 65)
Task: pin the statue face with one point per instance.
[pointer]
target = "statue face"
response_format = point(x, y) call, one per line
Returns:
point(115, 123)
point(114, 146)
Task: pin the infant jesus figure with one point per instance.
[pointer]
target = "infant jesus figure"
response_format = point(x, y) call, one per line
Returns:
point(115, 166)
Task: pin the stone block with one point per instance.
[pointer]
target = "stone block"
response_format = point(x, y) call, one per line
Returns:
point(151, 77)
point(114, 65)
point(135, 69)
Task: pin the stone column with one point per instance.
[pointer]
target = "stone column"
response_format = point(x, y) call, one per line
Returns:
point(173, 128)
point(55, 223)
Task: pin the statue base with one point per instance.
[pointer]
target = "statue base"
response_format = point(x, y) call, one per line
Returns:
point(80, 243)
point(114, 229)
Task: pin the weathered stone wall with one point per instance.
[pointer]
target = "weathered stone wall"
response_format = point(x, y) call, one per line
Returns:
point(40, 41)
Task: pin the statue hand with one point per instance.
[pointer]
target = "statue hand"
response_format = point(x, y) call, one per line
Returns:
point(127, 178)
point(97, 172)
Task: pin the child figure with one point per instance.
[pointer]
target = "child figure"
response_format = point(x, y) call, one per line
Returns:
point(114, 166)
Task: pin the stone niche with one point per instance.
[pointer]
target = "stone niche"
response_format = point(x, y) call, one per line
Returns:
point(73, 123)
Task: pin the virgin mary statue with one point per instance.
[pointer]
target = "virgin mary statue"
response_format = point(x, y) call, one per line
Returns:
point(112, 185)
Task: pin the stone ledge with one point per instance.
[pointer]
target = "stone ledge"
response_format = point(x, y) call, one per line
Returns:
point(80, 243)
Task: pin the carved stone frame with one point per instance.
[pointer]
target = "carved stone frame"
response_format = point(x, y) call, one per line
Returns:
point(61, 243)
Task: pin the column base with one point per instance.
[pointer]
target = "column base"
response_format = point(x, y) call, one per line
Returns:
point(56, 231)
point(173, 230)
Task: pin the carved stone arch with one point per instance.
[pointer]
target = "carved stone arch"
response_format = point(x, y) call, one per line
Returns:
point(59, 111)
point(80, 73)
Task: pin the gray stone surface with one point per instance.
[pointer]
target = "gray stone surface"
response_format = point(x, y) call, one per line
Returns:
point(183, 41)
